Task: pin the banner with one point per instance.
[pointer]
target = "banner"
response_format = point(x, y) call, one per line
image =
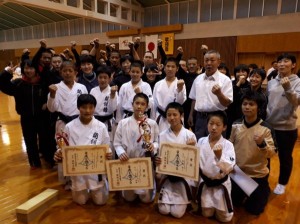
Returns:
point(123, 42)
point(168, 43)
point(151, 44)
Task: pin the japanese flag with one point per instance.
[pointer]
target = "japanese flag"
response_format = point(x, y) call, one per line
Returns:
point(151, 44)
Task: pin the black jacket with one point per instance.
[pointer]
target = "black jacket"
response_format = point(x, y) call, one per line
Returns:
point(28, 96)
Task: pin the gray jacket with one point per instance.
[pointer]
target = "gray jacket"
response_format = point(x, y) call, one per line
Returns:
point(282, 105)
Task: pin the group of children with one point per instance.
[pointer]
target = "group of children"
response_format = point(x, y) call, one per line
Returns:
point(86, 117)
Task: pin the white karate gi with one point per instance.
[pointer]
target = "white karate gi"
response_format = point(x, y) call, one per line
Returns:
point(126, 140)
point(162, 96)
point(126, 95)
point(94, 133)
point(105, 106)
point(173, 198)
point(212, 198)
point(65, 100)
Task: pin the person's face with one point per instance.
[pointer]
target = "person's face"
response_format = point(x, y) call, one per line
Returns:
point(148, 58)
point(174, 117)
point(68, 74)
point(222, 70)
point(275, 65)
point(86, 67)
point(285, 66)
point(182, 64)
point(192, 65)
point(249, 108)
point(56, 63)
point(29, 72)
point(46, 59)
point(103, 80)
point(151, 75)
point(255, 81)
point(211, 63)
point(215, 126)
point(171, 69)
point(135, 74)
point(241, 73)
point(139, 106)
point(114, 59)
point(86, 112)
point(126, 66)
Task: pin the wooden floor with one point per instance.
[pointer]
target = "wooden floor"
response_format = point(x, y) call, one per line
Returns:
point(18, 184)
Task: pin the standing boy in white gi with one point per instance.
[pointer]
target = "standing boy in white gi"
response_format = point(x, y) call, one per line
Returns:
point(129, 89)
point(168, 90)
point(107, 99)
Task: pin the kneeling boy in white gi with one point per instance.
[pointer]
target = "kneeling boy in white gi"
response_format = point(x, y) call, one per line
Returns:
point(129, 142)
point(217, 158)
point(175, 192)
point(87, 130)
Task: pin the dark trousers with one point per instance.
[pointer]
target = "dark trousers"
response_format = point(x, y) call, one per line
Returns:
point(285, 141)
point(47, 135)
point(256, 203)
point(31, 128)
point(201, 125)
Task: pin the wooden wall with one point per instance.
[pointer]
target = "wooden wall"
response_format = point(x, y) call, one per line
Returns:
point(263, 49)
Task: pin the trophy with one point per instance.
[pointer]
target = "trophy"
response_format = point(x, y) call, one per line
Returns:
point(145, 131)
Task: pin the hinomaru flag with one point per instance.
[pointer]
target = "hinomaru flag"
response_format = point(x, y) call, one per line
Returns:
point(151, 44)
point(123, 42)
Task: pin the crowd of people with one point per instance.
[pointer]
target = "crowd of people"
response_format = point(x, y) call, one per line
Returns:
point(102, 97)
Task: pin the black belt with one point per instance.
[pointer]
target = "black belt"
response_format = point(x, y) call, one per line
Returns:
point(106, 119)
point(127, 113)
point(213, 183)
point(65, 118)
point(161, 114)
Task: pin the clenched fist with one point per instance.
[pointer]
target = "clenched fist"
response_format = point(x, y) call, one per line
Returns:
point(180, 84)
point(52, 90)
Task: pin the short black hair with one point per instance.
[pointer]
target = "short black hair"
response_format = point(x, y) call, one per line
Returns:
point(86, 59)
point(172, 59)
point(141, 95)
point(253, 96)
point(29, 63)
point(137, 64)
point(253, 66)
point(68, 63)
point(86, 98)
point(104, 70)
point(241, 67)
point(126, 57)
point(287, 56)
point(152, 67)
point(260, 72)
point(175, 105)
point(221, 114)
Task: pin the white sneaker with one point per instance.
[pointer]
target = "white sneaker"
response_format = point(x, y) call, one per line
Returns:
point(279, 189)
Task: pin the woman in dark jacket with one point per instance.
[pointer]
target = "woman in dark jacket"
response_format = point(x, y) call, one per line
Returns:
point(29, 97)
